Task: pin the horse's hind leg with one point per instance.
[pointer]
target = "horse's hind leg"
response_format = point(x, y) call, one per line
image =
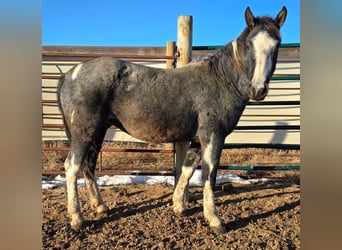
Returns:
point(72, 166)
point(189, 165)
point(95, 198)
point(86, 140)
point(181, 149)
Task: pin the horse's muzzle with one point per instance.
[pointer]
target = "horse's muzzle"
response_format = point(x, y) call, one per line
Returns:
point(258, 93)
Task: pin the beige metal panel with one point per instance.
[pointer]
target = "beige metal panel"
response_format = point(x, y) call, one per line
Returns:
point(49, 83)
point(49, 95)
point(117, 135)
point(57, 66)
point(268, 121)
point(273, 110)
point(283, 95)
point(281, 84)
point(51, 120)
point(269, 136)
point(58, 135)
point(153, 64)
point(273, 137)
point(287, 68)
point(111, 135)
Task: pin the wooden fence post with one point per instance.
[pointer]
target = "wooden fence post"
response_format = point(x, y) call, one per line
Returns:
point(184, 40)
point(170, 51)
point(184, 48)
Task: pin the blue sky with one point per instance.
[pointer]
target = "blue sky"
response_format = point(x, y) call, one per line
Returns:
point(154, 22)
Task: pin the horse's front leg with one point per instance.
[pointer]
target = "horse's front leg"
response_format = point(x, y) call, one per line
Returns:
point(211, 152)
point(191, 161)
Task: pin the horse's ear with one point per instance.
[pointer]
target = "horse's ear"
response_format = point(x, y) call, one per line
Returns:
point(250, 20)
point(280, 19)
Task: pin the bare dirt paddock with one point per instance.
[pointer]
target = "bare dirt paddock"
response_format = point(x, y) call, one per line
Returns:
point(262, 216)
point(258, 216)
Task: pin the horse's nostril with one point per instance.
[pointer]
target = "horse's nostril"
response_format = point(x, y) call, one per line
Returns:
point(263, 91)
point(260, 92)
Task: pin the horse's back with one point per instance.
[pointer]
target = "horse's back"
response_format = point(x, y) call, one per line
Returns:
point(85, 72)
point(89, 78)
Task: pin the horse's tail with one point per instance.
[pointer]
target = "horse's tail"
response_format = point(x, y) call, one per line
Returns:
point(60, 84)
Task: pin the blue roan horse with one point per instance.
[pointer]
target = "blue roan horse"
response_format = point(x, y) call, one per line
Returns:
point(204, 99)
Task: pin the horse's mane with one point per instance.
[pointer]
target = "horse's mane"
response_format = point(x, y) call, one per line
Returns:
point(236, 56)
point(227, 52)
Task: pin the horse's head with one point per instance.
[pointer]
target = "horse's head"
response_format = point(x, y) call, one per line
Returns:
point(261, 40)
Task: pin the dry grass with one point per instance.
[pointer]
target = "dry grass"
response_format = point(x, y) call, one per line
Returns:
point(259, 156)
point(53, 160)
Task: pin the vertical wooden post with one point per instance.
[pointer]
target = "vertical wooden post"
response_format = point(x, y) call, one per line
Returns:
point(184, 40)
point(170, 51)
point(184, 48)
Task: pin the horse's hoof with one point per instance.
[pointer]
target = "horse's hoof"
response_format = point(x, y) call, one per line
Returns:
point(178, 209)
point(76, 222)
point(101, 209)
point(75, 226)
point(219, 229)
point(180, 213)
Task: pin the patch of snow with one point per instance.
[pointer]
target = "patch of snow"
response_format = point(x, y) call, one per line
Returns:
point(195, 180)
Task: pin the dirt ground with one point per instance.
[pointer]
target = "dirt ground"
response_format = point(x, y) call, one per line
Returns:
point(259, 216)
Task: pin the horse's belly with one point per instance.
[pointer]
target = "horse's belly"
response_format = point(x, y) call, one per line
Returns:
point(159, 132)
point(157, 119)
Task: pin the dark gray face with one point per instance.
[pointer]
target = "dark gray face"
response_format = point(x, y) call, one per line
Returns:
point(262, 51)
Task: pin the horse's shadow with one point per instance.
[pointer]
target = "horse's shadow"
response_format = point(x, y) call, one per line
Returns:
point(234, 225)
point(240, 223)
point(198, 196)
point(165, 200)
point(132, 209)
point(277, 183)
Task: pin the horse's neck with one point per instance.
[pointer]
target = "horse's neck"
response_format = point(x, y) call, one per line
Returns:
point(228, 69)
point(225, 63)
